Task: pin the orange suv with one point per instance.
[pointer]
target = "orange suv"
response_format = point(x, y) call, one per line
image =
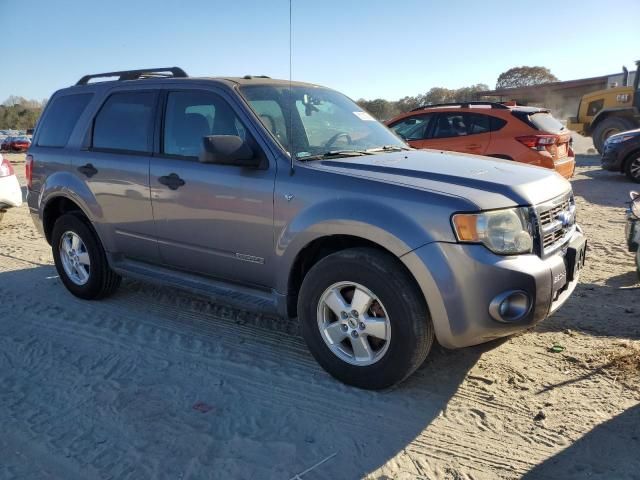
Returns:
point(512, 132)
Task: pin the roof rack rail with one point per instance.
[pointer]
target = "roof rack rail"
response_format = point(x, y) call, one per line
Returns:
point(499, 106)
point(249, 77)
point(167, 72)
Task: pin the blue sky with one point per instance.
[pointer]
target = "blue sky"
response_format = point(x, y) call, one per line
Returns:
point(364, 48)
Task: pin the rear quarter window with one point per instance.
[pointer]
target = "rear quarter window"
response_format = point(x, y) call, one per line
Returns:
point(60, 119)
point(497, 123)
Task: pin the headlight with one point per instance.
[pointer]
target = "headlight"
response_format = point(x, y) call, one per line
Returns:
point(619, 139)
point(505, 232)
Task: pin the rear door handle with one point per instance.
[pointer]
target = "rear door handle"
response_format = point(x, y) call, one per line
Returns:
point(173, 181)
point(88, 170)
point(474, 145)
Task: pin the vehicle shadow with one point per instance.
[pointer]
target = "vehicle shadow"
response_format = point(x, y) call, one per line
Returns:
point(611, 189)
point(138, 367)
point(608, 451)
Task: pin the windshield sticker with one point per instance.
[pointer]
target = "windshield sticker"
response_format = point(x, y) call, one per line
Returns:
point(364, 116)
point(302, 154)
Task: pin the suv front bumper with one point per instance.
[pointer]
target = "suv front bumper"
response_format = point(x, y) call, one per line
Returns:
point(460, 282)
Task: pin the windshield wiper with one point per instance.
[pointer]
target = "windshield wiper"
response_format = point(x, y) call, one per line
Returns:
point(388, 148)
point(335, 154)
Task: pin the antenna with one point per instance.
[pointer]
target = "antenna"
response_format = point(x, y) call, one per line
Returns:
point(291, 150)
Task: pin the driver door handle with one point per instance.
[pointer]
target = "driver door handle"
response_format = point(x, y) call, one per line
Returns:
point(173, 181)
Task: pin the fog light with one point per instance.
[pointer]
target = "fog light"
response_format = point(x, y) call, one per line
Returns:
point(510, 306)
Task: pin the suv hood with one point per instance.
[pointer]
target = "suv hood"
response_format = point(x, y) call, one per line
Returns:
point(486, 182)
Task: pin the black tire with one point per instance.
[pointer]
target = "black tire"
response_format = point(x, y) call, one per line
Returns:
point(610, 126)
point(102, 281)
point(632, 167)
point(411, 328)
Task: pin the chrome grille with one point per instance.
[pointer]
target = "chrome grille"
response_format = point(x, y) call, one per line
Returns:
point(556, 222)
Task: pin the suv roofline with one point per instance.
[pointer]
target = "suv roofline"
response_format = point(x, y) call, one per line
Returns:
point(168, 73)
point(492, 105)
point(462, 105)
point(160, 72)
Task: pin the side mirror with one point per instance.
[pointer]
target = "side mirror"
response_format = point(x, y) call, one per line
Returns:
point(228, 150)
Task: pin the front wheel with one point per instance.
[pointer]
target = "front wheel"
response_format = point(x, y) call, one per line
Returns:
point(364, 319)
point(632, 167)
point(80, 259)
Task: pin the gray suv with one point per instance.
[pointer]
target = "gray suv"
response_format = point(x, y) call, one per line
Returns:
point(287, 198)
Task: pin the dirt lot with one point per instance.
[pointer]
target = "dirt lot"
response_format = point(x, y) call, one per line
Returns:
point(154, 383)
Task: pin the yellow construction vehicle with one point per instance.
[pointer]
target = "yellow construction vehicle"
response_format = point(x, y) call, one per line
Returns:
point(606, 112)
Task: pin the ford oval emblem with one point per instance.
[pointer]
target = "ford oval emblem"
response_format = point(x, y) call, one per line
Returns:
point(566, 218)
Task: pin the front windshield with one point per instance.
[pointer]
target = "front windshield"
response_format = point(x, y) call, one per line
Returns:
point(323, 121)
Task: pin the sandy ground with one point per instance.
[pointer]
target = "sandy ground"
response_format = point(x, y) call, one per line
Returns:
point(154, 383)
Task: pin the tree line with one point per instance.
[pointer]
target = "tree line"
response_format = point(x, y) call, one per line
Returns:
point(514, 77)
point(19, 113)
point(385, 109)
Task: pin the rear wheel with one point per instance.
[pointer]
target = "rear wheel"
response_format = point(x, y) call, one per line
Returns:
point(632, 167)
point(364, 319)
point(80, 259)
point(610, 126)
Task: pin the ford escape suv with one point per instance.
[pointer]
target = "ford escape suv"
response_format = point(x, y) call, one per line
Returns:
point(289, 199)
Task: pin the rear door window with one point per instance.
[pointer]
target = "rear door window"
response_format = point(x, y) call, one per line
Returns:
point(449, 125)
point(61, 118)
point(125, 122)
point(477, 123)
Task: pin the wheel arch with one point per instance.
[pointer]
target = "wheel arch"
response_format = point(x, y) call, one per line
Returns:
point(602, 115)
point(321, 247)
point(58, 205)
point(64, 192)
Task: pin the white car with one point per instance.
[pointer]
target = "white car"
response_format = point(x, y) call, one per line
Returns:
point(10, 192)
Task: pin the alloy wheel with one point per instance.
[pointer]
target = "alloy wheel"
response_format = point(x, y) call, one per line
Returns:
point(634, 168)
point(75, 258)
point(354, 323)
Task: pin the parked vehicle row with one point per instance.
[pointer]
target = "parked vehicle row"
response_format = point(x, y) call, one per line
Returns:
point(16, 144)
point(522, 134)
point(287, 198)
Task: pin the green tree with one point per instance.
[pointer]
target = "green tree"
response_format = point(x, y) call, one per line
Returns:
point(19, 113)
point(380, 108)
point(524, 77)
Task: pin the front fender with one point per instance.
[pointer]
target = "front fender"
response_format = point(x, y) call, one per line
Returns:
point(388, 227)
